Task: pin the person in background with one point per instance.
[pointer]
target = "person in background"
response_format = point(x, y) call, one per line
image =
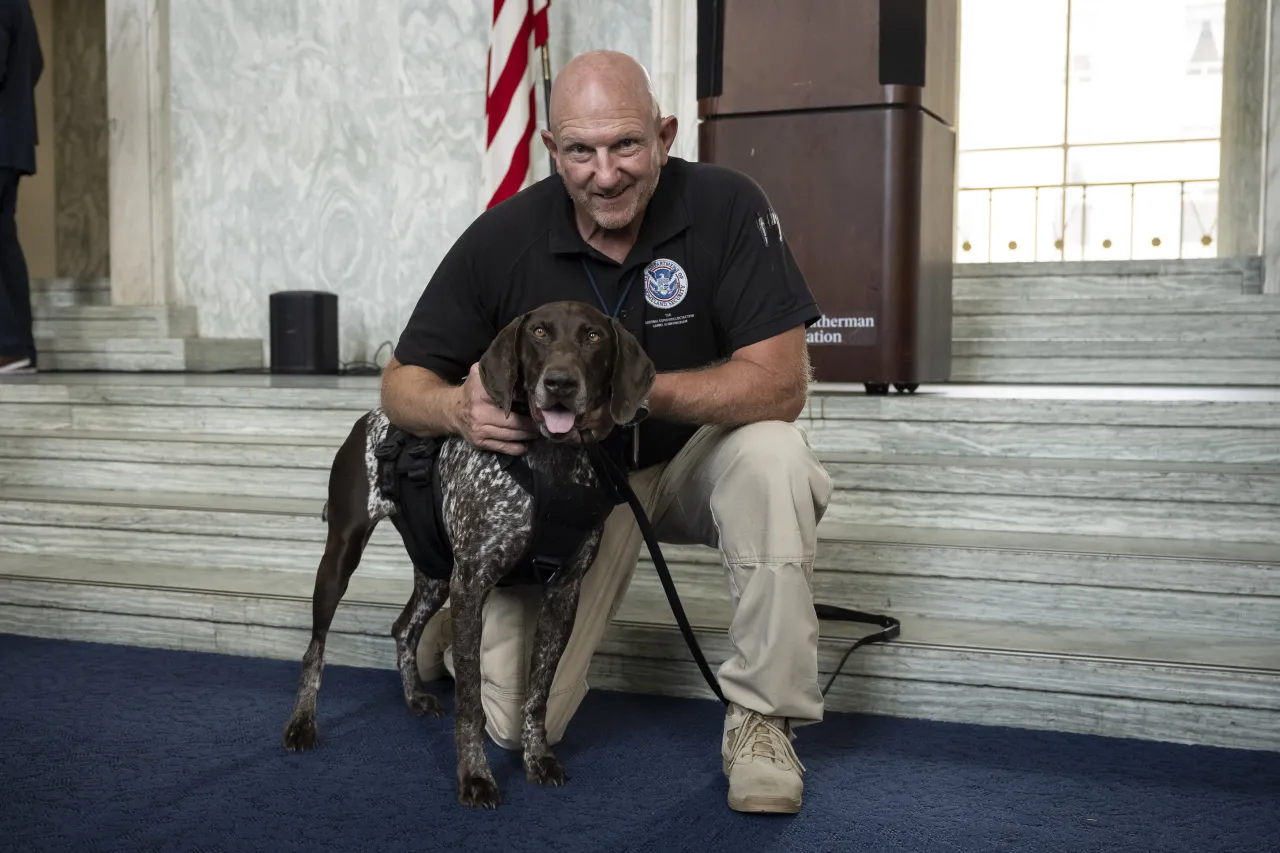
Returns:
point(21, 64)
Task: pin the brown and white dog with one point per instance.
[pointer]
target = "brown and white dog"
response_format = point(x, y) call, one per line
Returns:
point(563, 360)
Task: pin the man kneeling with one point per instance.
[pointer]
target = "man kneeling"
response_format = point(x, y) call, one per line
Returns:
point(691, 259)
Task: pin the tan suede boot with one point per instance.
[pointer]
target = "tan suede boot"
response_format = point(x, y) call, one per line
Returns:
point(763, 769)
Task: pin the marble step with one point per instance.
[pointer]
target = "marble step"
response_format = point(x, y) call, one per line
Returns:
point(973, 402)
point(1201, 329)
point(116, 321)
point(66, 292)
point(1247, 351)
point(1048, 285)
point(1087, 503)
point(1109, 498)
point(1100, 680)
point(1051, 578)
point(881, 588)
point(277, 466)
point(1238, 305)
point(1176, 429)
point(1246, 270)
point(1172, 483)
point(1135, 423)
point(1066, 404)
point(243, 404)
point(1136, 370)
point(146, 354)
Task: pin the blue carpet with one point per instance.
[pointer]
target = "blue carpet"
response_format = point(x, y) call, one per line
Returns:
point(113, 748)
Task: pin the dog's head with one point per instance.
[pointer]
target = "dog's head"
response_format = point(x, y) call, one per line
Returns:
point(564, 360)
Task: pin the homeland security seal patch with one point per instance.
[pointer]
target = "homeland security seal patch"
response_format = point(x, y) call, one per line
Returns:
point(665, 284)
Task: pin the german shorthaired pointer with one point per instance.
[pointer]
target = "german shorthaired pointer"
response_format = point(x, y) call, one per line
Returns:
point(563, 361)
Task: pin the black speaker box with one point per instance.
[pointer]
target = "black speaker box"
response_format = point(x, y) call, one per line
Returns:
point(304, 331)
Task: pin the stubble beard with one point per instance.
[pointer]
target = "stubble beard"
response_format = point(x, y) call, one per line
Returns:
point(613, 219)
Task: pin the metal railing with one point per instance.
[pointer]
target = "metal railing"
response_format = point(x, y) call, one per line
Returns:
point(1065, 244)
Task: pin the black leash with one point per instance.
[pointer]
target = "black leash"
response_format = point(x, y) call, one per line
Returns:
point(616, 481)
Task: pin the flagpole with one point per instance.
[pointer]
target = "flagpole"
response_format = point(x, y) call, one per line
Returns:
point(546, 95)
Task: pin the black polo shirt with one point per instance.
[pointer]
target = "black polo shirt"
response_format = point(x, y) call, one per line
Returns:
point(709, 273)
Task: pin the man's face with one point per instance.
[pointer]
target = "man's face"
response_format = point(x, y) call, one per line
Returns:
point(610, 162)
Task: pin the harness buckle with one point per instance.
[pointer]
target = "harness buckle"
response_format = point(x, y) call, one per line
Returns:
point(541, 566)
point(426, 447)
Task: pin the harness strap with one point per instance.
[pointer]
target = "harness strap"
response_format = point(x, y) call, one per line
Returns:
point(608, 472)
point(563, 516)
point(406, 477)
point(388, 455)
point(519, 469)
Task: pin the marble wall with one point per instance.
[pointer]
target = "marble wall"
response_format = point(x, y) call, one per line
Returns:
point(335, 145)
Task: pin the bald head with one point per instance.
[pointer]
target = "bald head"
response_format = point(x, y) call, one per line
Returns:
point(608, 139)
point(602, 83)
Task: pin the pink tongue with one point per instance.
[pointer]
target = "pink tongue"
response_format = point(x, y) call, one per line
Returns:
point(558, 420)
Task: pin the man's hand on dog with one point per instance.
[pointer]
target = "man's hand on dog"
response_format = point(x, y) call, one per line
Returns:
point(483, 424)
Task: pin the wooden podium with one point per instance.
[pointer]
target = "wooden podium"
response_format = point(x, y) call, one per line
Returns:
point(843, 111)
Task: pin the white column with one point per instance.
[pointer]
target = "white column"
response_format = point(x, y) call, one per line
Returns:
point(138, 151)
point(1244, 110)
point(675, 69)
point(1271, 209)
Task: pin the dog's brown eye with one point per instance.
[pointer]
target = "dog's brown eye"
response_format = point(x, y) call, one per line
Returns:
point(593, 337)
point(539, 332)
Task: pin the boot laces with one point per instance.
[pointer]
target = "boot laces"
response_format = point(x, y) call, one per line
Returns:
point(760, 737)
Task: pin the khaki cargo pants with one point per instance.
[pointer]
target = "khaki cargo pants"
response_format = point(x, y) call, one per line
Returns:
point(756, 492)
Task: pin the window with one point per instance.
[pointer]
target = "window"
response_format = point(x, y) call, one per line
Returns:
point(1088, 129)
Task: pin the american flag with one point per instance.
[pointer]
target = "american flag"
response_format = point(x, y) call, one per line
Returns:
point(519, 30)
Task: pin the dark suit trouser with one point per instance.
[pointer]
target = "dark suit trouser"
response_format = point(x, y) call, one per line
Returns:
point(15, 287)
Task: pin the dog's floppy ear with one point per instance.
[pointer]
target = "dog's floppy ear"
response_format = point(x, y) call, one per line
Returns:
point(633, 375)
point(500, 365)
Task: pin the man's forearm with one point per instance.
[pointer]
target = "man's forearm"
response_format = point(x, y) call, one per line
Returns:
point(735, 392)
point(419, 401)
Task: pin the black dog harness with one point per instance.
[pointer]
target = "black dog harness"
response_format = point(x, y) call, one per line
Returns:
point(563, 516)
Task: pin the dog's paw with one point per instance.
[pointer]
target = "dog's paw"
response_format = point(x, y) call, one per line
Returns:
point(478, 792)
point(423, 704)
point(545, 770)
point(300, 733)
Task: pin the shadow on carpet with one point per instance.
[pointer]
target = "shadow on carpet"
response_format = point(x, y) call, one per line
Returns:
point(116, 748)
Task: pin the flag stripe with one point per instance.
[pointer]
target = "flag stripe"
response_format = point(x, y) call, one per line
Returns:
point(518, 29)
point(513, 74)
point(518, 174)
point(541, 25)
point(510, 135)
point(506, 36)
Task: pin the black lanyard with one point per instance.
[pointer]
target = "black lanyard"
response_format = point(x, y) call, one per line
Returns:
point(635, 428)
point(621, 300)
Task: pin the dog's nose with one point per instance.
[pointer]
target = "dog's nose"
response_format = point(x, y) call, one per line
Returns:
point(560, 382)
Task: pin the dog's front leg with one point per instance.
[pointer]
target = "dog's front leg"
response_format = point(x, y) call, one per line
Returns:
point(476, 785)
point(555, 624)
